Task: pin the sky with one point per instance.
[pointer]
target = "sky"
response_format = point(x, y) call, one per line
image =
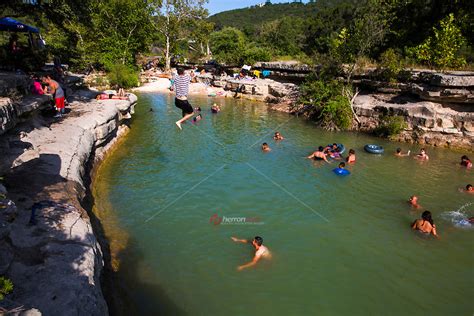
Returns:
point(216, 6)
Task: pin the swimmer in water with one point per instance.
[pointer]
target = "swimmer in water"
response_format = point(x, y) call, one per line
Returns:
point(400, 154)
point(466, 162)
point(215, 108)
point(278, 136)
point(352, 156)
point(265, 147)
point(413, 201)
point(425, 224)
point(469, 189)
point(422, 155)
point(318, 155)
point(197, 118)
point(197, 109)
point(260, 251)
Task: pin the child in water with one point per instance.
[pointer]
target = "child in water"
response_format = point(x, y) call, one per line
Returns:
point(352, 157)
point(197, 118)
point(422, 155)
point(466, 162)
point(341, 171)
point(215, 108)
point(400, 154)
point(413, 201)
point(265, 147)
point(278, 136)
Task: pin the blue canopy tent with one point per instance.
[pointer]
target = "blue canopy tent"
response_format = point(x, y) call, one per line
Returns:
point(12, 25)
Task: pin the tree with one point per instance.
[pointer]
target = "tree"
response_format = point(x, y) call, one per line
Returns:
point(441, 49)
point(172, 20)
point(121, 30)
point(286, 35)
point(228, 45)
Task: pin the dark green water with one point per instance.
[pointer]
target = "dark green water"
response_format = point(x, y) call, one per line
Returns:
point(340, 245)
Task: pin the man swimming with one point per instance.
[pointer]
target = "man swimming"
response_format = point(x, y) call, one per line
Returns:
point(265, 147)
point(425, 224)
point(278, 136)
point(318, 155)
point(413, 201)
point(422, 155)
point(260, 251)
point(400, 154)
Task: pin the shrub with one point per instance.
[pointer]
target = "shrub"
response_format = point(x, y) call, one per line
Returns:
point(252, 54)
point(391, 125)
point(323, 101)
point(122, 76)
point(6, 287)
point(442, 50)
point(390, 65)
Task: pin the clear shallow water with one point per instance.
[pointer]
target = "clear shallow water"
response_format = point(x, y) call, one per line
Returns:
point(339, 245)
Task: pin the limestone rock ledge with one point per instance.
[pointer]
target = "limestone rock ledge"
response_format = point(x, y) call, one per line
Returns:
point(427, 122)
point(54, 258)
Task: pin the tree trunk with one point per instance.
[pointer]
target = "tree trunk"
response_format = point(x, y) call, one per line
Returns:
point(167, 55)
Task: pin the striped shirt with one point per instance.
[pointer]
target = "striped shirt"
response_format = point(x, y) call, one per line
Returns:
point(181, 85)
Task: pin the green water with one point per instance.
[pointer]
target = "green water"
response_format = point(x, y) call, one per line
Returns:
point(340, 245)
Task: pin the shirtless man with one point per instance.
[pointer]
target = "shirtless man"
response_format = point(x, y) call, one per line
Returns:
point(425, 224)
point(278, 136)
point(318, 155)
point(260, 251)
point(265, 147)
point(400, 154)
point(422, 155)
point(413, 201)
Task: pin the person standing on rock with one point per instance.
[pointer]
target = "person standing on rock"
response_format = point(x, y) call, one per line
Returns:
point(57, 92)
point(181, 87)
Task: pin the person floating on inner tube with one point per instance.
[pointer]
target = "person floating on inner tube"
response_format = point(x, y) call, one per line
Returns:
point(319, 155)
point(341, 171)
point(422, 155)
point(352, 156)
point(331, 148)
point(400, 154)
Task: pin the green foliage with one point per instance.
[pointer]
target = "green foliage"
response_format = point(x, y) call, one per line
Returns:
point(391, 125)
point(441, 49)
point(122, 76)
point(285, 36)
point(6, 287)
point(228, 45)
point(323, 101)
point(253, 54)
point(391, 64)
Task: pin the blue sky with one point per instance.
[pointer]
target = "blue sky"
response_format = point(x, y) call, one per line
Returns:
point(215, 6)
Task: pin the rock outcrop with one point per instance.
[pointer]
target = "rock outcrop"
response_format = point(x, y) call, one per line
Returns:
point(47, 244)
point(427, 122)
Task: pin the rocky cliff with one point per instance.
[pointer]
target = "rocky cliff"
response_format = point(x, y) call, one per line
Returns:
point(48, 247)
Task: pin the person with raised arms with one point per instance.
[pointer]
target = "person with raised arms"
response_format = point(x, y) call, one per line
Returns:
point(260, 251)
point(181, 84)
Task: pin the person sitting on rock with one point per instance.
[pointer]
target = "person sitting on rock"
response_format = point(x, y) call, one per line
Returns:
point(466, 162)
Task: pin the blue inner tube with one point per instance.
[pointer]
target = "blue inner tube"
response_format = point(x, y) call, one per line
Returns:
point(341, 172)
point(374, 149)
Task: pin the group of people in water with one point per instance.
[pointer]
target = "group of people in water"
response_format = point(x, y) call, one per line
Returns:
point(424, 225)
